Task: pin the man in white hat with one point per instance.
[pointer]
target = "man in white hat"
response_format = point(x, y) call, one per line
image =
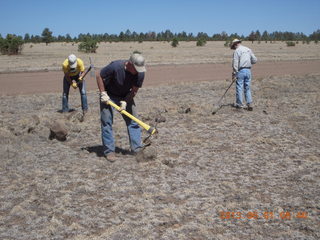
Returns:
point(243, 59)
point(119, 82)
point(73, 69)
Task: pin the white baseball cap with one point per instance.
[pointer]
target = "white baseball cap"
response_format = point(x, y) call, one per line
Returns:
point(138, 61)
point(72, 61)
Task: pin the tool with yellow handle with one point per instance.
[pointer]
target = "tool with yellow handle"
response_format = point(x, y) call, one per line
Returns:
point(149, 129)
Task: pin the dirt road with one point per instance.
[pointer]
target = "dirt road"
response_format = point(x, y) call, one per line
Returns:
point(44, 82)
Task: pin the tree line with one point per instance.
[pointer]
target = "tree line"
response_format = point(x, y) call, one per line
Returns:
point(12, 44)
point(167, 35)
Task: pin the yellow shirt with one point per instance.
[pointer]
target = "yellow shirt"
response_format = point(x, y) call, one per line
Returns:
point(79, 68)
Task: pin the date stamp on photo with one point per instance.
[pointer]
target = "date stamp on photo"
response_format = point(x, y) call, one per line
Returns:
point(253, 215)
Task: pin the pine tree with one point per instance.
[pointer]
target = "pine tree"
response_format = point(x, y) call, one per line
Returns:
point(47, 36)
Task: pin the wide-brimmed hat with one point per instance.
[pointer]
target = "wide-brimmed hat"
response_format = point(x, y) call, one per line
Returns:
point(72, 61)
point(138, 62)
point(234, 42)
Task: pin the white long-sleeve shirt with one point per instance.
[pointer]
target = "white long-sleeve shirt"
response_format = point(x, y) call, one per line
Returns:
point(243, 57)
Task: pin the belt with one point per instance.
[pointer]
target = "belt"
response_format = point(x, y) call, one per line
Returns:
point(244, 68)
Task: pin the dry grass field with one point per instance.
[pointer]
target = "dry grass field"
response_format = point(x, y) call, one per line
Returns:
point(199, 166)
point(42, 57)
point(235, 161)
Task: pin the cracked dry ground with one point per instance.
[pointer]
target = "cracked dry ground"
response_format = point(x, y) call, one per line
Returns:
point(265, 160)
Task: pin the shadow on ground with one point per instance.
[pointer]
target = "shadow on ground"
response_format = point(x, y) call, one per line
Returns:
point(98, 150)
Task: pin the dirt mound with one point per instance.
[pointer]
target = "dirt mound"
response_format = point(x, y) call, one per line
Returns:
point(59, 131)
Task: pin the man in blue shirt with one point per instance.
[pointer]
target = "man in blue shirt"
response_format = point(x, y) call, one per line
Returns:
point(119, 82)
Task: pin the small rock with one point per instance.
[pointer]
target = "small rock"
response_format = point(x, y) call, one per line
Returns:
point(31, 130)
point(168, 162)
point(58, 131)
point(160, 119)
point(184, 109)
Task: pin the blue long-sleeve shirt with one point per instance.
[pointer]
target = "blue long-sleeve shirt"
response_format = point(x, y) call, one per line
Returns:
point(117, 81)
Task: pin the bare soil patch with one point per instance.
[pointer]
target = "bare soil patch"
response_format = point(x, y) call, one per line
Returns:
point(45, 82)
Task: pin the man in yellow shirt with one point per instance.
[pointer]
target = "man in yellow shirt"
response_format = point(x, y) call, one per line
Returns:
point(73, 69)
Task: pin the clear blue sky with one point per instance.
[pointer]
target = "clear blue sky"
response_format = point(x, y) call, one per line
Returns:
point(106, 16)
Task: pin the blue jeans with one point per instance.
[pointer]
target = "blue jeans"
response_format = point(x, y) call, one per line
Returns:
point(65, 95)
point(243, 82)
point(134, 130)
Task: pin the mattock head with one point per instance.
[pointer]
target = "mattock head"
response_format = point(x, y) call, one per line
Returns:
point(152, 132)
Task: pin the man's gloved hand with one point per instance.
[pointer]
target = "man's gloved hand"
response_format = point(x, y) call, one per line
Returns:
point(74, 85)
point(234, 75)
point(123, 106)
point(104, 97)
point(80, 79)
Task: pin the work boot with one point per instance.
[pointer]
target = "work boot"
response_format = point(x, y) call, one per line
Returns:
point(111, 157)
point(237, 106)
point(249, 107)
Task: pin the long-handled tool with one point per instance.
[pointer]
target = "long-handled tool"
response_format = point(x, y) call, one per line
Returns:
point(88, 70)
point(218, 105)
point(148, 128)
